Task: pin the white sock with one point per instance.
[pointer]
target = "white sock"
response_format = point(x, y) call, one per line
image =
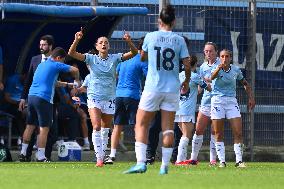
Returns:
point(140, 150)
point(86, 140)
point(213, 152)
point(97, 142)
point(166, 156)
point(104, 135)
point(24, 149)
point(238, 148)
point(220, 148)
point(182, 149)
point(197, 141)
point(41, 153)
point(112, 152)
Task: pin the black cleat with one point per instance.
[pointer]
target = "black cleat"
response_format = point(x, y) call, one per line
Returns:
point(150, 161)
point(109, 160)
point(23, 158)
point(43, 160)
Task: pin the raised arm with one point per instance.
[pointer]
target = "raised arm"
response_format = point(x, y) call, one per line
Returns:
point(251, 101)
point(216, 71)
point(133, 50)
point(72, 50)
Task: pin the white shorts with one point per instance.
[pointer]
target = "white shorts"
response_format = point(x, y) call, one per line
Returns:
point(224, 107)
point(184, 118)
point(106, 106)
point(205, 110)
point(153, 101)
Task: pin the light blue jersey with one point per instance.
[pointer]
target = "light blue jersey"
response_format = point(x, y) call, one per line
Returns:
point(45, 78)
point(205, 72)
point(187, 103)
point(102, 76)
point(225, 83)
point(165, 50)
point(86, 81)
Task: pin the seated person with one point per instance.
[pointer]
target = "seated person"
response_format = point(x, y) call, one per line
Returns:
point(74, 110)
point(12, 96)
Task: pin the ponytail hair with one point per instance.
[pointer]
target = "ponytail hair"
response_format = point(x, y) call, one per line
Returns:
point(167, 15)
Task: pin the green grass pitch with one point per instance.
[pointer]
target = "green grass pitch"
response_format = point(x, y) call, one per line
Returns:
point(85, 175)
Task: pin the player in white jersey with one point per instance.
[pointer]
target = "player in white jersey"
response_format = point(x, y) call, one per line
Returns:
point(185, 116)
point(204, 117)
point(101, 89)
point(162, 88)
point(224, 105)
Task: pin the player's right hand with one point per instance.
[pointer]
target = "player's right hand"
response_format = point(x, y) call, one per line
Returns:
point(79, 34)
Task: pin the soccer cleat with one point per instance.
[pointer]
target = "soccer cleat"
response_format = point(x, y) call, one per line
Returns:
point(46, 160)
point(23, 158)
point(164, 170)
point(35, 147)
point(138, 168)
point(99, 163)
point(222, 165)
point(181, 163)
point(150, 161)
point(213, 163)
point(240, 164)
point(109, 160)
point(86, 147)
point(191, 162)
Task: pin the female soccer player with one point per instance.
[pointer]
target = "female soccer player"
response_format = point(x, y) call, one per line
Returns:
point(164, 50)
point(224, 105)
point(101, 91)
point(204, 117)
point(185, 116)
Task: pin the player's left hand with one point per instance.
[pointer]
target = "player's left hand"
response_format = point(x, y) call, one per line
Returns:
point(126, 36)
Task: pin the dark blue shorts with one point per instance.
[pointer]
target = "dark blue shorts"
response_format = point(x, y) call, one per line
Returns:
point(125, 111)
point(39, 112)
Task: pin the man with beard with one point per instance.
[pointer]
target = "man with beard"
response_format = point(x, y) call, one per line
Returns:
point(45, 45)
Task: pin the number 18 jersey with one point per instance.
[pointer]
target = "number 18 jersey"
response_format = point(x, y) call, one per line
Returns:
point(165, 50)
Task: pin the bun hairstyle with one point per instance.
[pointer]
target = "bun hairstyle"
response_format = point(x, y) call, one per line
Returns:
point(167, 15)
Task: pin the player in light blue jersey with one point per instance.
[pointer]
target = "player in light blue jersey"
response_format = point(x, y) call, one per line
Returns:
point(40, 99)
point(185, 116)
point(204, 117)
point(101, 90)
point(224, 105)
point(162, 88)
